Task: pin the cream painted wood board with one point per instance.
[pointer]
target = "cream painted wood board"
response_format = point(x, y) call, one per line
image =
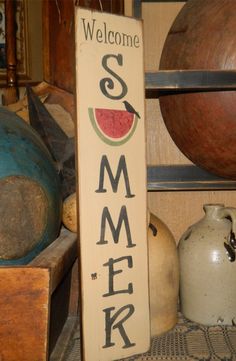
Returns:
point(112, 185)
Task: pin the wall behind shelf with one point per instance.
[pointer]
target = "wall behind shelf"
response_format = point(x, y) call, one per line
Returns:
point(178, 209)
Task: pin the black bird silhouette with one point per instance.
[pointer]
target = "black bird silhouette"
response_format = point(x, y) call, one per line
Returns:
point(130, 109)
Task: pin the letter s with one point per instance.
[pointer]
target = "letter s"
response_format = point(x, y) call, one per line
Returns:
point(108, 82)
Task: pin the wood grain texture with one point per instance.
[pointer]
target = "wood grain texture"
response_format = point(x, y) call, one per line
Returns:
point(74, 291)
point(110, 6)
point(59, 37)
point(59, 309)
point(157, 20)
point(11, 91)
point(24, 312)
point(46, 40)
point(58, 257)
point(55, 95)
point(177, 209)
point(35, 301)
point(160, 147)
point(202, 124)
point(59, 46)
point(70, 328)
point(178, 81)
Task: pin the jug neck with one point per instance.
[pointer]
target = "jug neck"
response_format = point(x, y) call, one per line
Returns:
point(213, 210)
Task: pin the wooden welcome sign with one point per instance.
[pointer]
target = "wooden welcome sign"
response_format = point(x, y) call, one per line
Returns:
point(112, 185)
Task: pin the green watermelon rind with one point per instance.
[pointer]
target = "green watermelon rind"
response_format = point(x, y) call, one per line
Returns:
point(105, 138)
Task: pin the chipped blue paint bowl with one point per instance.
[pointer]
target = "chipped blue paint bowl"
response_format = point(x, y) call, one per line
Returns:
point(30, 194)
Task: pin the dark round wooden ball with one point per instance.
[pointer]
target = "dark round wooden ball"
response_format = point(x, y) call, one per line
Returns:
point(203, 124)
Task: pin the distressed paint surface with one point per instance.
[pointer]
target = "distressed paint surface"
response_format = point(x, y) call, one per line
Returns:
point(112, 188)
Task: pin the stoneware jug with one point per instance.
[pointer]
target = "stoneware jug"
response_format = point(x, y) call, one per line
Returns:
point(208, 267)
point(163, 276)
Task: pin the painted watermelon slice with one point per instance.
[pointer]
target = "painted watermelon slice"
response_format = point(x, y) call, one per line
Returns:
point(114, 127)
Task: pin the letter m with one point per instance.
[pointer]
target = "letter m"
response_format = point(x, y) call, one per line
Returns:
point(123, 218)
point(122, 168)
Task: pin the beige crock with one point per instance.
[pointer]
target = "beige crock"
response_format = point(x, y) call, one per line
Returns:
point(208, 268)
point(163, 276)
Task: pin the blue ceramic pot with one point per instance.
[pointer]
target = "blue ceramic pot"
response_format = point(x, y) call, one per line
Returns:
point(30, 194)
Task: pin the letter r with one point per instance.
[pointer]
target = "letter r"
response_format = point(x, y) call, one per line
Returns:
point(111, 325)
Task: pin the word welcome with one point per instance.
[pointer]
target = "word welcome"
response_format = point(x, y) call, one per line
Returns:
point(106, 36)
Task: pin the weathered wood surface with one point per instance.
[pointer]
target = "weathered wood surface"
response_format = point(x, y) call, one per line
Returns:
point(59, 48)
point(184, 177)
point(177, 81)
point(58, 257)
point(11, 92)
point(59, 38)
point(57, 95)
point(109, 301)
point(59, 310)
point(202, 124)
point(182, 208)
point(24, 312)
point(60, 351)
point(35, 301)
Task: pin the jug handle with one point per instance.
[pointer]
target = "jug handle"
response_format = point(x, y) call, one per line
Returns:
point(229, 212)
point(231, 245)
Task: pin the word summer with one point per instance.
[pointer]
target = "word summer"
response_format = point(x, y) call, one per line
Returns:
point(106, 36)
point(116, 318)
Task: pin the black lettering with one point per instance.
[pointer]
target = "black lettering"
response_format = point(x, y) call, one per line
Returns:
point(117, 38)
point(108, 83)
point(127, 40)
point(111, 36)
point(88, 31)
point(110, 325)
point(113, 272)
point(107, 36)
point(136, 42)
point(123, 218)
point(122, 168)
point(99, 36)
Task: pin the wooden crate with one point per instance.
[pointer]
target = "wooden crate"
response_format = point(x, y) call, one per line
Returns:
point(35, 301)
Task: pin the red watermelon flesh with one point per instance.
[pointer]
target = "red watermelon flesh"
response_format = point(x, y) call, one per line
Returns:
point(114, 123)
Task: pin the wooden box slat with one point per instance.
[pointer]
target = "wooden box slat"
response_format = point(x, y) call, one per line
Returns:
point(35, 300)
point(24, 313)
point(58, 257)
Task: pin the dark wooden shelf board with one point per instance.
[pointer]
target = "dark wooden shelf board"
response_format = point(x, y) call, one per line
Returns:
point(172, 81)
point(185, 177)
